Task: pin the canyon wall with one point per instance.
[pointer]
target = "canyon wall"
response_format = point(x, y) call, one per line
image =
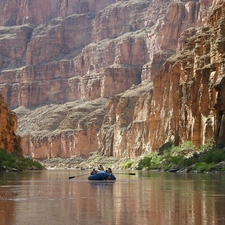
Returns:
point(68, 50)
point(61, 130)
point(8, 139)
point(185, 101)
point(154, 68)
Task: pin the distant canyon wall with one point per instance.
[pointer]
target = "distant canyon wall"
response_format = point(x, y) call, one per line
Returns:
point(153, 62)
point(56, 51)
point(73, 56)
point(61, 130)
point(16, 13)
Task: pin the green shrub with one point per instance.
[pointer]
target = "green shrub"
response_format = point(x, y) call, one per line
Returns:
point(17, 161)
point(202, 166)
point(208, 145)
point(156, 160)
point(175, 149)
point(214, 156)
point(152, 161)
point(171, 161)
point(144, 163)
point(175, 156)
point(175, 160)
point(188, 145)
point(4, 156)
point(128, 164)
point(189, 161)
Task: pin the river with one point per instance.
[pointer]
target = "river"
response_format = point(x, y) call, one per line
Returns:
point(147, 198)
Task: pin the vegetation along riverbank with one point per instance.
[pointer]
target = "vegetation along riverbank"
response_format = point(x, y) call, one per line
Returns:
point(16, 162)
point(185, 158)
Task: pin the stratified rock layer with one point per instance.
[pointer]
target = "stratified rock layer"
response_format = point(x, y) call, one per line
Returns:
point(64, 130)
point(56, 51)
point(160, 64)
point(8, 140)
point(185, 102)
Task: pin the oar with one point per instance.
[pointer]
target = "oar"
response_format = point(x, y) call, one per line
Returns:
point(131, 174)
point(126, 173)
point(79, 175)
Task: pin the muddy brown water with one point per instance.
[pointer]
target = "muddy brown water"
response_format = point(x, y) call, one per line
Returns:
point(147, 198)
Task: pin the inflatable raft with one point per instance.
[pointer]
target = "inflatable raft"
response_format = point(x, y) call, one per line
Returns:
point(101, 175)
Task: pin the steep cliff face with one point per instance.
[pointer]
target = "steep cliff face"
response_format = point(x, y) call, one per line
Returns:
point(63, 130)
point(185, 102)
point(67, 50)
point(59, 51)
point(192, 84)
point(8, 140)
point(39, 44)
point(37, 12)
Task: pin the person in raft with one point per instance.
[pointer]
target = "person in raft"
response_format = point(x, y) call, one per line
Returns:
point(101, 168)
point(93, 172)
point(109, 170)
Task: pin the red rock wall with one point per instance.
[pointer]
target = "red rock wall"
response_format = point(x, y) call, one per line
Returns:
point(72, 45)
point(16, 12)
point(64, 130)
point(56, 51)
point(8, 140)
point(185, 102)
point(69, 53)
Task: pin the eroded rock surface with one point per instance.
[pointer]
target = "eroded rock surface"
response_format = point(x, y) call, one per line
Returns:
point(8, 139)
point(157, 64)
point(185, 101)
point(64, 130)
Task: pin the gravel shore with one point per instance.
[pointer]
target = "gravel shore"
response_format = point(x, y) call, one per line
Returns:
point(82, 163)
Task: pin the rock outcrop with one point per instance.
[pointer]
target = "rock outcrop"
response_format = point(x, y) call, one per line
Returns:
point(77, 49)
point(8, 139)
point(158, 62)
point(64, 130)
point(185, 102)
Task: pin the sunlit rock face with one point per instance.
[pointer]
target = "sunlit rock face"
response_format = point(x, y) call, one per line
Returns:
point(184, 102)
point(8, 140)
point(155, 63)
point(56, 51)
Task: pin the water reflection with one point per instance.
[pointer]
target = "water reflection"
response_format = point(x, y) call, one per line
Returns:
point(49, 197)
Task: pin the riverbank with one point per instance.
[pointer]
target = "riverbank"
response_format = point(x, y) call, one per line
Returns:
point(15, 162)
point(208, 161)
point(115, 164)
point(82, 163)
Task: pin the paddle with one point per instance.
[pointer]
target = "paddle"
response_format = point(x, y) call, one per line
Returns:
point(79, 175)
point(89, 174)
point(131, 174)
point(126, 173)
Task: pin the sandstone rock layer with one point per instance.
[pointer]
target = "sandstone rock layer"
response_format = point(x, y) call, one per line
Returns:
point(8, 139)
point(153, 69)
point(185, 101)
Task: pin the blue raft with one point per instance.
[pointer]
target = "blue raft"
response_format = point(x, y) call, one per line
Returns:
point(101, 175)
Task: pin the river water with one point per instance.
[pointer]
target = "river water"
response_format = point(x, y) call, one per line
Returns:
point(146, 198)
